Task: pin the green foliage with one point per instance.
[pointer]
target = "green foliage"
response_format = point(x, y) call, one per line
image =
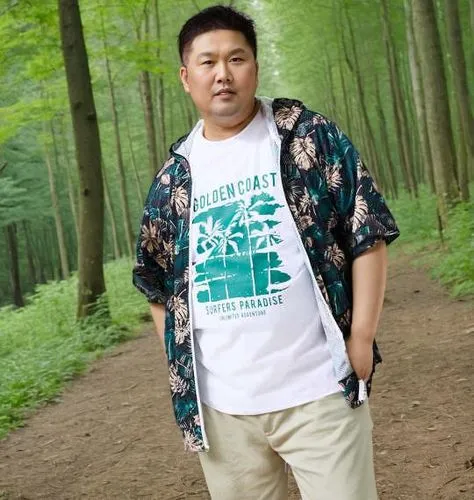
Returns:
point(456, 268)
point(452, 263)
point(41, 346)
point(416, 218)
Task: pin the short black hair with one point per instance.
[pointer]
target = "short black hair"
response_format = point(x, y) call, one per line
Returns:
point(217, 17)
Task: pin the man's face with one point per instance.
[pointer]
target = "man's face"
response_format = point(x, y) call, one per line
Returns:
point(221, 75)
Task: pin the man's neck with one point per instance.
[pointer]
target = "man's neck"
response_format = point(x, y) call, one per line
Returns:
point(218, 132)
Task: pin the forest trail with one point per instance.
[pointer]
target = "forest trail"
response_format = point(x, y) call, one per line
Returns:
point(112, 434)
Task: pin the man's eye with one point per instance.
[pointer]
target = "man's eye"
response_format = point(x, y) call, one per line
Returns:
point(236, 59)
point(207, 62)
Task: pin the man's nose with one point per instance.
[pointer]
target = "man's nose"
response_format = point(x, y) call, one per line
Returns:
point(223, 73)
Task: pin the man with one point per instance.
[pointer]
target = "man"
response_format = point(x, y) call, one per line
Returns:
point(263, 255)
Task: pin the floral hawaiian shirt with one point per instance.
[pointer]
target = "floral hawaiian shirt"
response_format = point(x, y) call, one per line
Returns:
point(339, 213)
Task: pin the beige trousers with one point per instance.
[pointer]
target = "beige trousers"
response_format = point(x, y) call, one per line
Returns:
point(327, 445)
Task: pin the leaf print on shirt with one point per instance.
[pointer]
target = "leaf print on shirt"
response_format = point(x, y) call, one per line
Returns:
point(179, 199)
point(334, 178)
point(303, 152)
point(148, 236)
point(286, 117)
point(361, 210)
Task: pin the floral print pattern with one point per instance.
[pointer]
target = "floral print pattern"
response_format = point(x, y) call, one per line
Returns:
point(338, 211)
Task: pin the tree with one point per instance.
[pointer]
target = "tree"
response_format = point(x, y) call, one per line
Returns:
point(466, 139)
point(418, 97)
point(129, 237)
point(438, 117)
point(398, 105)
point(88, 153)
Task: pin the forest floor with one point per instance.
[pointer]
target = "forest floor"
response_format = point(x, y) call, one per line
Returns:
point(112, 434)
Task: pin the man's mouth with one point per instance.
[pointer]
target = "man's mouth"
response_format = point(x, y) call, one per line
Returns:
point(224, 92)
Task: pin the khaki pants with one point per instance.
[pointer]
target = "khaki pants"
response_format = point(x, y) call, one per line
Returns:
point(327, 445)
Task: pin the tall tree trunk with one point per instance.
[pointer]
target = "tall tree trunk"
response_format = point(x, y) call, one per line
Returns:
point(70, 185)
point(88, 151)
point(472, 31)
point(355, 69)
point(191, 118)
point(12, 245)
point(160, 89)
point(40, 253)
point(399, 111)
point(437, 109)
point(129, 238)
point(347, 108)
point(466, 139)
point(418, 98)
point(146, 95)
point(335, 115)
point(136, 175)
point(110, 211)
point(385, 142)
point(29, 253)
point(63, 256)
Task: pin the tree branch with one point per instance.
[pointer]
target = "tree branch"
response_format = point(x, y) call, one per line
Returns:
point(3, 167)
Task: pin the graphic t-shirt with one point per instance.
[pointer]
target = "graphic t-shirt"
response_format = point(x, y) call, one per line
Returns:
point(259, 342)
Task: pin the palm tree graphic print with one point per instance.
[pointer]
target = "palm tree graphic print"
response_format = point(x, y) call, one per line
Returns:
point(236, 245)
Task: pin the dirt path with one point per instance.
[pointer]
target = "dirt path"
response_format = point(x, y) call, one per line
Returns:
point(113, 436)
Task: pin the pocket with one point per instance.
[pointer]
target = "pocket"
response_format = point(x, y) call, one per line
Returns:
point(350, 389)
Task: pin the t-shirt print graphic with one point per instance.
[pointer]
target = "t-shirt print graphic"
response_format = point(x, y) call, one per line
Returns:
point(237, 247)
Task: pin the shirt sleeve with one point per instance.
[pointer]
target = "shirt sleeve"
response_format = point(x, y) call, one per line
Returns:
point(151, 251)
point(363, 212)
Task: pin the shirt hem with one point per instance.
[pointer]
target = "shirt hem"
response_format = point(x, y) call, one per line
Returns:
point(287, 406)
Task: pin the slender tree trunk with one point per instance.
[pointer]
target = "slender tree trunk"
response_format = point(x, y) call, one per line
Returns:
point(331, 89)
point(471, 10)
point(40, 253)
point(418, 97)
point(189, 112)
point(466, 138)
point(29, 253)
point(172, 116)
point(160, 89)
point(63, 256)
point(355, 69)
point(398, 105)
point(88, 151)
point(407, 94)
point(110, 210)
point(136, 175)
point(347, 109)
point(146, 96)
point(437, 108)
point(12, 246)
point(129, 237)
point(70, 186)
point(385, 142)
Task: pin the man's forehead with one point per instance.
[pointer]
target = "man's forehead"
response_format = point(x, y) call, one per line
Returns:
point(219, 41)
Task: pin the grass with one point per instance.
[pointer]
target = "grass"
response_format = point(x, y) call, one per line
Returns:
point(42, 347)
point(450, 262)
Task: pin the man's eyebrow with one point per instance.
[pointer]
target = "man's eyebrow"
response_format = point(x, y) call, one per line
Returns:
point(231, 53)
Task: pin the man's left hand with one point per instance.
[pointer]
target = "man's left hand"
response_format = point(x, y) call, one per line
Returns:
point(361, 356)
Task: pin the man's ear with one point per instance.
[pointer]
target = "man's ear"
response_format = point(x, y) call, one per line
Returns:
point(183, 75)
point(257, 67)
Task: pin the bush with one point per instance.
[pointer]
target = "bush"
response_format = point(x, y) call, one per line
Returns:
point(42, 346)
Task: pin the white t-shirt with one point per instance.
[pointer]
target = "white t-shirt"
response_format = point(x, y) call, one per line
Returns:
point(260, 345)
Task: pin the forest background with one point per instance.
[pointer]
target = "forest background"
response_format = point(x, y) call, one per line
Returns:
point(397, 76)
